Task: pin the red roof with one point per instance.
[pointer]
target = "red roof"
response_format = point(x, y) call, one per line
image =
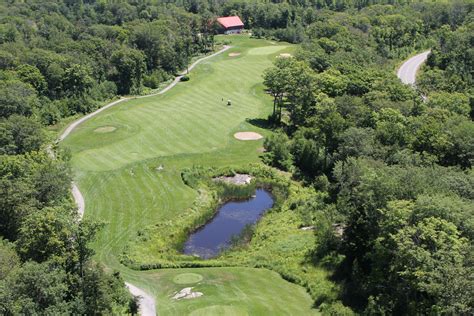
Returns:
point(230, 21)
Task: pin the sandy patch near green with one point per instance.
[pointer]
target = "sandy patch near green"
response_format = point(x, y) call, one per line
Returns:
point(234, 54)
point(286, 55)
point(248, 136)
point(186, 293)
point(237, 179)
point(105, 129)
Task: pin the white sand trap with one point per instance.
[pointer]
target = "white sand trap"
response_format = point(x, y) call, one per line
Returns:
point(248, 136)
point(234, 54)
point(186, 293)
point(105, 129)
point(286, 55)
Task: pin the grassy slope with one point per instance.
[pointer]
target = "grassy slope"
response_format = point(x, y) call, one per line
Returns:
point(117, 173)
point(230, 291)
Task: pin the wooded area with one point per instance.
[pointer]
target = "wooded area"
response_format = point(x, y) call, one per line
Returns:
point(396, 166)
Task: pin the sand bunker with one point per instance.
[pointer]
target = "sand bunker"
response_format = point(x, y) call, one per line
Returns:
point(286, 55)
point(105, 129)
point(247, 136)
point(238, 179)
point(234, 54)
point(186, 293)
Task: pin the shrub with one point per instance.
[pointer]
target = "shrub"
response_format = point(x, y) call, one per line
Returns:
point(154, 79)
point(103, 91)
point(278, 152)
point(336, 309)
point(50, 113)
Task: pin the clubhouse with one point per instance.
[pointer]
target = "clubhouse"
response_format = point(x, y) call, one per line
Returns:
point(231, 24)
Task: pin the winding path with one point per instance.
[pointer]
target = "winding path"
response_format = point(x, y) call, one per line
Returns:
point(76, 193)
point(407, 71)
point(75, 124)
point(147, 302)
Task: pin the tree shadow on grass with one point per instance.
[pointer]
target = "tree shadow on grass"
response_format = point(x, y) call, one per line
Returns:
point(259, 122)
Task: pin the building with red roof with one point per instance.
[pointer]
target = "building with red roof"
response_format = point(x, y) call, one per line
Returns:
point(231, 24)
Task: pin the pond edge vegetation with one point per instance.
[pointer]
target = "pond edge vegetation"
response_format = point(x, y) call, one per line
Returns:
point(211, 196)
point(160, 246)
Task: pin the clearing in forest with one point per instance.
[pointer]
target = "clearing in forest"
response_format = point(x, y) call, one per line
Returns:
point(131, 176)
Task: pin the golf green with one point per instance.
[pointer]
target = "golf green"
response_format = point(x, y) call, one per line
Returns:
point(187, 278)
point(130, 176)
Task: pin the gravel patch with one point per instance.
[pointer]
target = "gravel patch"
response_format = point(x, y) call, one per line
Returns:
point(238, 179)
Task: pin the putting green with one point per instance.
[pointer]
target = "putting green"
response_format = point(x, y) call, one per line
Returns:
point(118, 173)
point(266, 50)
point(187, 278)
point(242, 291)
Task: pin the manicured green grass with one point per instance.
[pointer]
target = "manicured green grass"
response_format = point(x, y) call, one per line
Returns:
point(191, 124)
point(229, 291)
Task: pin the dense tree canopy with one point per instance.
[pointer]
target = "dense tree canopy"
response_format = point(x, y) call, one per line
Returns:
point(397, 166)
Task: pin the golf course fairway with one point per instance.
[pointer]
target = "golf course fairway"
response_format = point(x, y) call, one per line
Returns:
point(127, 162)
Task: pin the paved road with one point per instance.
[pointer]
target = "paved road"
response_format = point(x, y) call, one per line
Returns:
point(146, 301)
point(75, 124)
point(407, 71)
point(78, 198)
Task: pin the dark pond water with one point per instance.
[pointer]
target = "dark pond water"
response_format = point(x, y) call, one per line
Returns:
point(229, 221)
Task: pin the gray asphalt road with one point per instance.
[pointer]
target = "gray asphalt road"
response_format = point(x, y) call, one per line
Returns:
point(407, 71)
point(78, 122)
point(77, 195)
point(146, 301)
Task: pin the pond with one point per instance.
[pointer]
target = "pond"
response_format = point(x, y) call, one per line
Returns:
point(230, 219)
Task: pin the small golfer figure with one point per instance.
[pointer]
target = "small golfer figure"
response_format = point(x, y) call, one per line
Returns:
point(229, 103)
